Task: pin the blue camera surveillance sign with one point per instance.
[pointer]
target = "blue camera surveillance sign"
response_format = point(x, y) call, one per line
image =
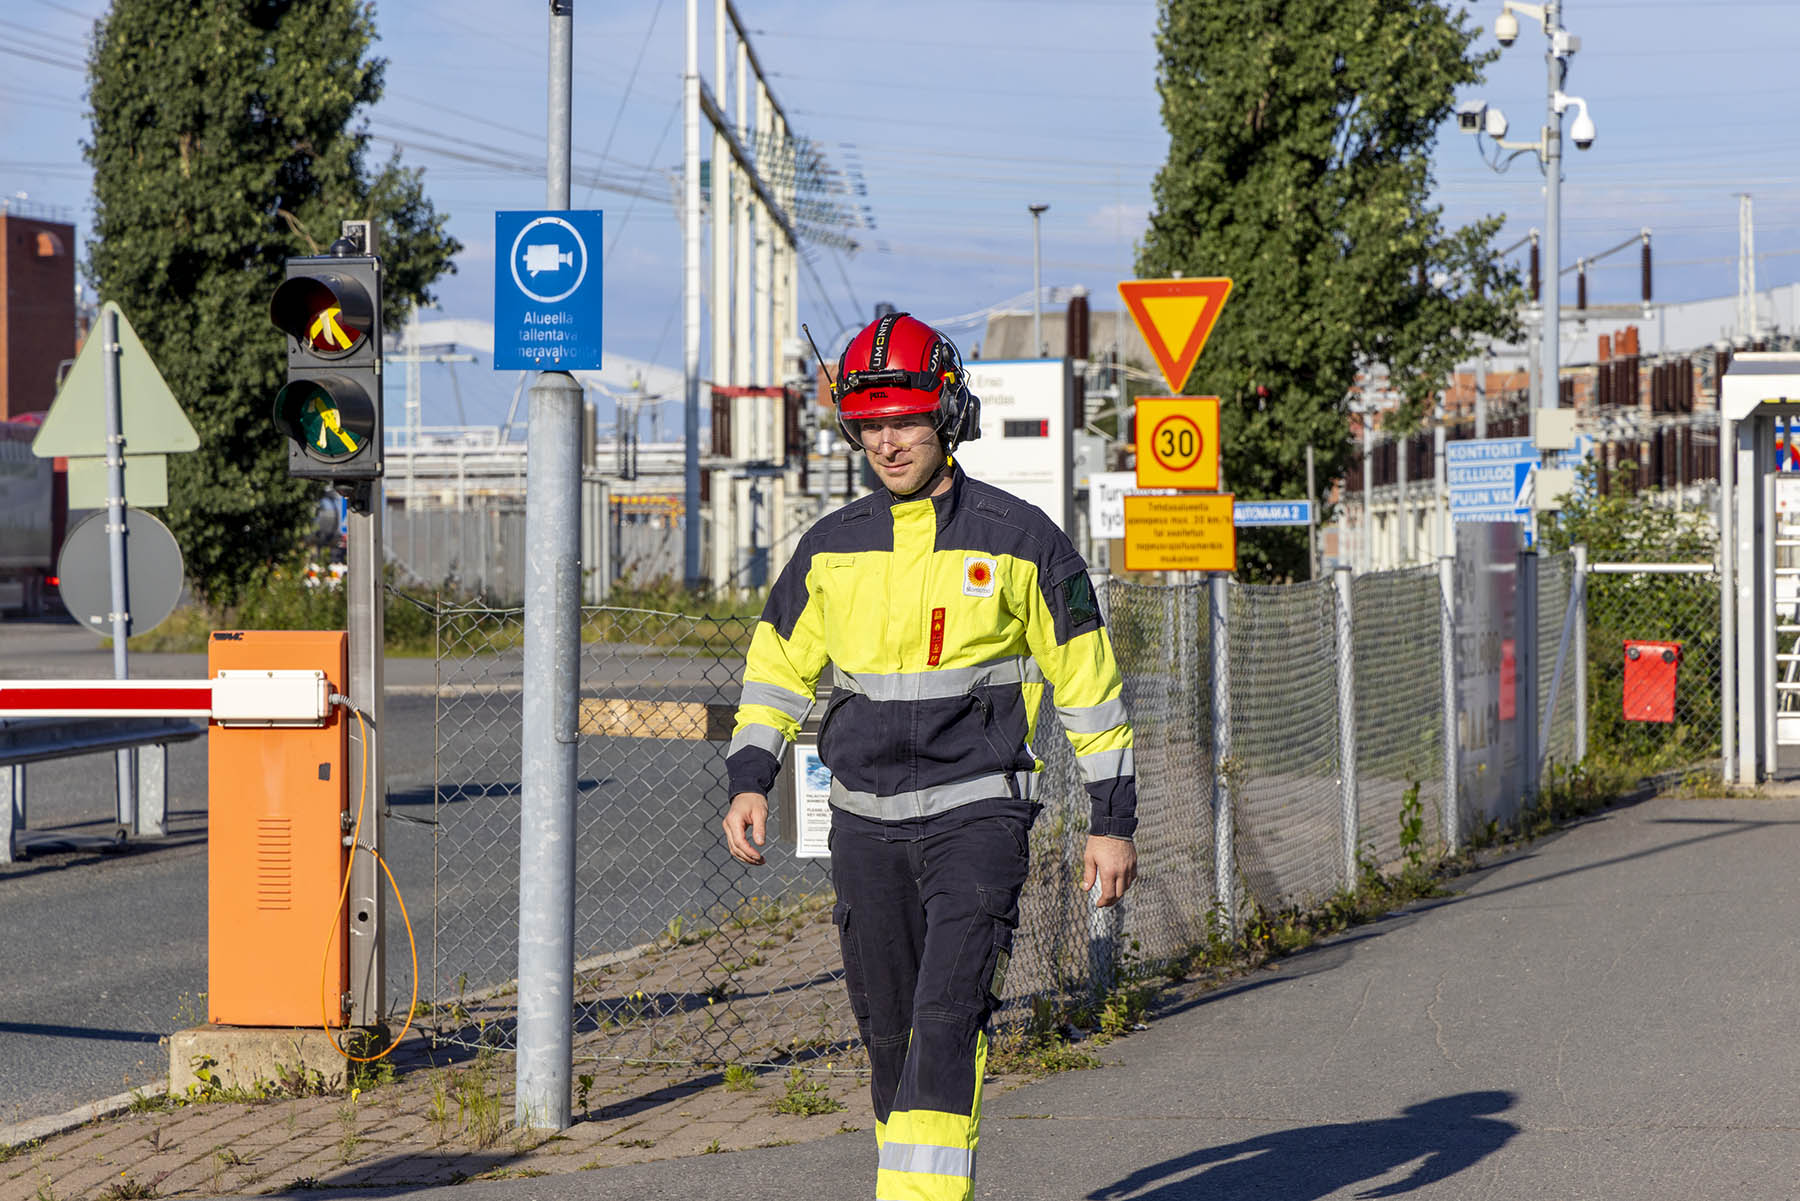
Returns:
point(547, 290)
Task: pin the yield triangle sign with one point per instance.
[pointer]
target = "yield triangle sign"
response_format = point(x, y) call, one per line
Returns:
point(151, 419)
point(1175, 316)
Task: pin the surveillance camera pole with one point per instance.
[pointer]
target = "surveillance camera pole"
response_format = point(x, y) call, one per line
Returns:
point(1551, 343)
point(1037, 281)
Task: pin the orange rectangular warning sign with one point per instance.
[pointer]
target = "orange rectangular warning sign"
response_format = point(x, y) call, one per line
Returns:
point(1180, 533)
point(1178, 442)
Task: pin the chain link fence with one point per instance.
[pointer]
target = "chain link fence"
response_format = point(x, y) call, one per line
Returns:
point(685, 955)
point(1676, 605)
point(1396, 617)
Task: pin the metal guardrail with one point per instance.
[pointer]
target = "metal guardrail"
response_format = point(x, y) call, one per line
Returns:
point(28, 740)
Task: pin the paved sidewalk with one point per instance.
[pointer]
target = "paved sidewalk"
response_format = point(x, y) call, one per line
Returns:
point(1604, 1014)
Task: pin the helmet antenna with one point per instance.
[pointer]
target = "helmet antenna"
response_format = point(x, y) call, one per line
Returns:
point(818, 356)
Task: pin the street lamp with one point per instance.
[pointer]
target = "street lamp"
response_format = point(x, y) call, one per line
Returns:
point(1478, 119)
point(1037, 281)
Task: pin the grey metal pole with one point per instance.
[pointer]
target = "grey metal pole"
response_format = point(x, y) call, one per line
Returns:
point(1728, 735)
point(1037, 281)
point(548, 741)
point(1481, 396)
point(1368, 490)
point(1348, 801)
point(559, 132)
point(1224, 828)
point(1451, 818)
point(1548, 374)
point(1312, 518)
point(690, 303)
point(1525, 672)
point(120, 616)
point(365, 621)
point(1440, 499)
point(1402, 507)
point(1580, 684)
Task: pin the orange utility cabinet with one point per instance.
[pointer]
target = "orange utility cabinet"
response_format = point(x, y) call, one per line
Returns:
point(277, 805)
point(1650, 669)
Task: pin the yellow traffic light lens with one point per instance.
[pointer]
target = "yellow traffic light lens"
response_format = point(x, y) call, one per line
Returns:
point(327, 332)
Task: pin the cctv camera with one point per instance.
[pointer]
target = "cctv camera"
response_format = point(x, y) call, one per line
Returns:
point(1582, 131)
point(1470, 114)
point(1506, 27)
point(1496, 124)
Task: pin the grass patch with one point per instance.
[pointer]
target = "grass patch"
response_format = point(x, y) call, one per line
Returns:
point(805, 1097)
point(741, 1078)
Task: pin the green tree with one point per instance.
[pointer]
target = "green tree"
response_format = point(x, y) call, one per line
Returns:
point(1300, 134)
point(222, 142)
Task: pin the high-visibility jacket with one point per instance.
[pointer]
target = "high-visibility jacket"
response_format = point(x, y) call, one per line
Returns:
point(944, 618)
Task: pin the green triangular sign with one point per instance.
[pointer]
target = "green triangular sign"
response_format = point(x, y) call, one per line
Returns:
point(152, 421)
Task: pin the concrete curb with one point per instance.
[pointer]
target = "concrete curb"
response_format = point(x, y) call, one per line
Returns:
point(61, 1123)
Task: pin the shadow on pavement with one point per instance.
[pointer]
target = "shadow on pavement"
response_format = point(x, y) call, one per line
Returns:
point(1447, 1136)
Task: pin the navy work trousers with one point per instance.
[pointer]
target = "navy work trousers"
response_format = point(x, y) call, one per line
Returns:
point(926, 921)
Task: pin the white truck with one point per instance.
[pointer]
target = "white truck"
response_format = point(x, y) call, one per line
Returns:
point(28, 541)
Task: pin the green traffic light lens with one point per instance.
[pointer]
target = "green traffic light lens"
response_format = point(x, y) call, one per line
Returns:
point(329, 417)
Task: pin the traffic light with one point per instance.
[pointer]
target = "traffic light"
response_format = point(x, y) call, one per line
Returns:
point(330, 408)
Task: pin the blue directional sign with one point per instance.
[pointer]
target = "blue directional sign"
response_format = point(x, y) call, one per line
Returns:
point(1490, 478)
point(547, 290)
point(1272, 512)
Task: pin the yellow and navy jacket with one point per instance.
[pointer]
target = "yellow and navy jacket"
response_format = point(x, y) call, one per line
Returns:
point(943, 619)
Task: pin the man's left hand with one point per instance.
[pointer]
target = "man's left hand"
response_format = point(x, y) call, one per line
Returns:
point(1112, 861)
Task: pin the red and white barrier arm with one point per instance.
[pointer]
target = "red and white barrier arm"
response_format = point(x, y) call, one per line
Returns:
point(258, 698)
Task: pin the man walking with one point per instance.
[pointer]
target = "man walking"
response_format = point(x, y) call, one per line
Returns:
point(945, 606)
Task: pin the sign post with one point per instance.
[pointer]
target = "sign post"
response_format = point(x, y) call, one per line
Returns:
point(90, 425)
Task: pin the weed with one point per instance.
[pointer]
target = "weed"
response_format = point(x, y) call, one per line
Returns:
point(348, 1138)
point(142, 1102)
point(439, 1109)
point(1026, 1053)
point(46, 1190)
point(712, 1148)
point(740, 1078)
point(645, 1143)
point(128, 1188)
point(1412, 827)
point(190, 1009)
point(847, 1128)
point(806, 1097)
point(584, 1085)
point(14, 1150)
point(301, 1184)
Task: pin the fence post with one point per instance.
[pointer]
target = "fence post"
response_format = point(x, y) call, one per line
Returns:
point(1525, 710)
point(1451, 820)
point(153, 790)
point(1580, 683)
point(1224, 842)
point(1346, 690)
point(12, 810)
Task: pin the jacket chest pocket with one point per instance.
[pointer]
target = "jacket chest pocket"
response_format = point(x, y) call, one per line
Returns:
point(855, 591)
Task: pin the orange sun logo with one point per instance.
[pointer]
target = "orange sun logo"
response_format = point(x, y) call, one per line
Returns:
point(979, 575)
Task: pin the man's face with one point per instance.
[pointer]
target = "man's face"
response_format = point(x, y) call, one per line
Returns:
point(904, 451)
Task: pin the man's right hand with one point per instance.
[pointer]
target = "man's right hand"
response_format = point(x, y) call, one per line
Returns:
point(747, 818)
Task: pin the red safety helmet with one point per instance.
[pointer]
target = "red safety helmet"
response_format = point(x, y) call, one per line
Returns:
point(898, 365)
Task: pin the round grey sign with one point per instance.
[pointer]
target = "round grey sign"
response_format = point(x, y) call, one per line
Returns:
point(153, 570)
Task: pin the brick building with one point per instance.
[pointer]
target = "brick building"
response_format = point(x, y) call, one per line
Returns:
point(37, 308)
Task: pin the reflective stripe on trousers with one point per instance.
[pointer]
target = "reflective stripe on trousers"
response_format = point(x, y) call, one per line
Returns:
point(926, 926)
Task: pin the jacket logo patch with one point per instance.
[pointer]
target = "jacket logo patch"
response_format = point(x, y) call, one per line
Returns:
point(937, 638)
point(978, 576)
point(1078, 595)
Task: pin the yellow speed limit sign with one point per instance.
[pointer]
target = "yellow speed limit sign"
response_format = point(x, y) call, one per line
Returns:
point(1178, 442)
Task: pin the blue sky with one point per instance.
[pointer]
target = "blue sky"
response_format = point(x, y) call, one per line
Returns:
point(957, 115)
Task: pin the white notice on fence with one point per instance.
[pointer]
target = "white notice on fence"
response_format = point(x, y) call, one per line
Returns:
point(812, 803)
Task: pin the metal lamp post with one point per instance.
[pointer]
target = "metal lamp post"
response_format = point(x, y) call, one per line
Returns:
point(1037, 280)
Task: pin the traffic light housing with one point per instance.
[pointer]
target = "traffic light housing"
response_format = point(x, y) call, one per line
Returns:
point(329, 307)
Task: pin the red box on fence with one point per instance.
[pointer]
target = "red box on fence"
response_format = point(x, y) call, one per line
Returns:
point(1650, 669)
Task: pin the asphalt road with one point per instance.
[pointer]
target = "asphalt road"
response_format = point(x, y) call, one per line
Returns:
point(107, 949)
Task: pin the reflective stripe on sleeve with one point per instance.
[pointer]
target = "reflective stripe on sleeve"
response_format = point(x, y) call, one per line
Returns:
point(1094, 719)
point(776, 697)
point(763, 738)
point(1106, 765)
